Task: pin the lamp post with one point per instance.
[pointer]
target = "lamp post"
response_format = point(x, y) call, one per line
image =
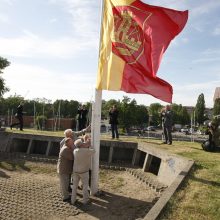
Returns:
point(148, 130)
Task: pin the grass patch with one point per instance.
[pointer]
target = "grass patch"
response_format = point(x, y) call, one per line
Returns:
point(37, 132)
point(199, 196)
point(114, 181)
point(34, 167)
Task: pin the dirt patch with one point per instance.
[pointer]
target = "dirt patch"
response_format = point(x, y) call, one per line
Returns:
point(34, 194)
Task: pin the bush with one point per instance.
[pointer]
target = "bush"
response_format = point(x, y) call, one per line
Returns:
point(41, 122)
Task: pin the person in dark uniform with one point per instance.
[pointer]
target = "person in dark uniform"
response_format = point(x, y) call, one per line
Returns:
point(82, 117)
point(113, 120)
point(167, 122)
point(19, 117)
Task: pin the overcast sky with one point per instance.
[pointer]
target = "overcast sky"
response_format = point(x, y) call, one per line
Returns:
point(53, 49)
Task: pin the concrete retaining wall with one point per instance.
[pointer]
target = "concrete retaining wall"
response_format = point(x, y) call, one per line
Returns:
point(170, 165)
point(149, 157)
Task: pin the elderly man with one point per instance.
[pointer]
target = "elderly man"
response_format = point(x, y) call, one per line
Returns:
point(65, 167)
point(82, 163)
point(73, 135)
point(68, 133)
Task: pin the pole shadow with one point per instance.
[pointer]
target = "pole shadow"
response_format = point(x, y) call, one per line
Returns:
point(4, 175)
point(14, 165)
point(111, 206)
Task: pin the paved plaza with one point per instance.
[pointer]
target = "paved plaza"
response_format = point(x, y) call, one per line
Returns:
point(30, 190)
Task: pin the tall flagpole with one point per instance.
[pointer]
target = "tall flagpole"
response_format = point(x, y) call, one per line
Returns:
point(95, 128)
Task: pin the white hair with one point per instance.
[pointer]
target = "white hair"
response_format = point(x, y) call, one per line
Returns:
point(78, 143)
point(68, 132)
point(67, 140)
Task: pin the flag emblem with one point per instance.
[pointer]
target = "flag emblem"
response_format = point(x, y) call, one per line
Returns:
point(128, 36)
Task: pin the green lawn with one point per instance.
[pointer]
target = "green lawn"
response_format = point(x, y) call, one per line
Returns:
point(199, 196)
point(37, 132)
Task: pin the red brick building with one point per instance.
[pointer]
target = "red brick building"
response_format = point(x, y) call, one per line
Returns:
point(50, 124)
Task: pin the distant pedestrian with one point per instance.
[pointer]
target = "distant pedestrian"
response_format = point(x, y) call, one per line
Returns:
point(82, 117)
point(19, 116)
point(113, 120)
point(167, 121)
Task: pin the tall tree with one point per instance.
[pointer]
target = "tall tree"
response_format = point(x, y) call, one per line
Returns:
point(3, 64)
point(126, 113)
point(106, 105)
point(185, 117)
point(141, 116)
point(180, 115)
point(200, 109)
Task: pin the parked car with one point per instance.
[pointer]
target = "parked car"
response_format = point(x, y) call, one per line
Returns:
point(201, 132)
point(151, 128)
point(184, 130)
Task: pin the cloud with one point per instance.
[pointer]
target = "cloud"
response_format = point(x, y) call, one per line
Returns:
point(32, 45)
point(206, 59)
point(53, 20)
point(209, 55)
point(84, 17)
point(212, 52)
point(178, 5)
point(203, 85)
point(216, 31)
point(42, 82)
point(9, 2)
point(189, 93)
point(205, 8)
point(4, 18)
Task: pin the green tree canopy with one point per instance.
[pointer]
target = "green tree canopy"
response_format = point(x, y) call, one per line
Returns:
point(200, 109)
point(216, 108)
point(9, 105)
point(106, 105)
point(154, 113)
point(180, 115)
point(3, 64)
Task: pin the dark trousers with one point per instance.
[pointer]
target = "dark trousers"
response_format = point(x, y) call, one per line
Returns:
point(114, 128)
point(81, 124)
point(20, 122)
point(167, 134)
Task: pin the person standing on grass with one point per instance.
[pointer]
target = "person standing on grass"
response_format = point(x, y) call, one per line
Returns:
point(82, 117)
point(65, 167)
point(113, 120)
point(167, 121)
point(19, 117)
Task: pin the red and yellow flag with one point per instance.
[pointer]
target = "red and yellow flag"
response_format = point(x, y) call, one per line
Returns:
point(134, 37)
